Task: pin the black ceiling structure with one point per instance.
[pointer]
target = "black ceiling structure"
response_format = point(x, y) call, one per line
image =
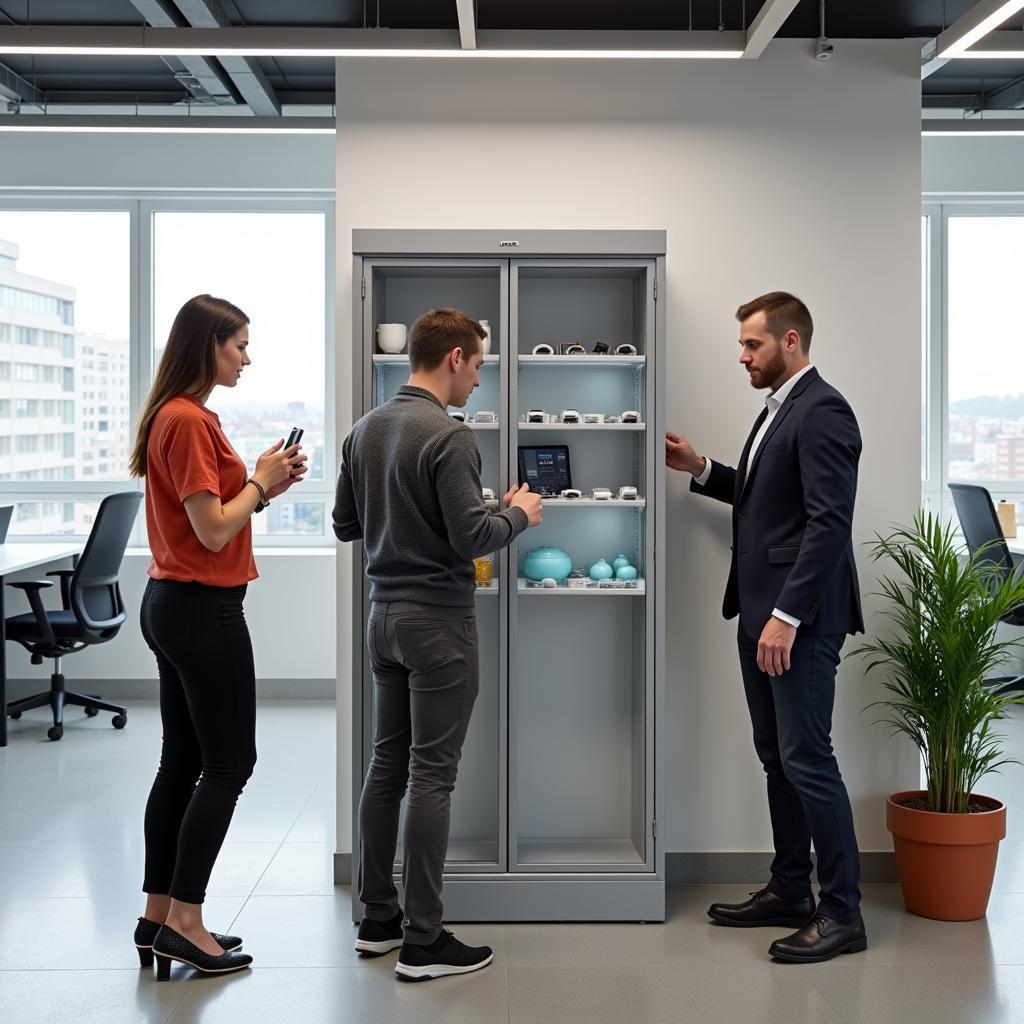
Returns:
point(264, 85)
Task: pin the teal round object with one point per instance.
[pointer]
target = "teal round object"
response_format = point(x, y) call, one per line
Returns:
point(541, 563)
point(618, 561)
point(625, 572)
point(601, 570)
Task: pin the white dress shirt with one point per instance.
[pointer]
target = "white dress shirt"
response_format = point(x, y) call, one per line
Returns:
point(774, 402)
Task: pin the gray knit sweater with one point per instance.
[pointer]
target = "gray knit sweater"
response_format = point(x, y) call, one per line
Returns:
point(409, 488)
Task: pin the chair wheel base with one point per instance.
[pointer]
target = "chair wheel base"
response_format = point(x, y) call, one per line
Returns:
point(119, 721)
point(15, 714)
point(55, 732)
point(91, 712)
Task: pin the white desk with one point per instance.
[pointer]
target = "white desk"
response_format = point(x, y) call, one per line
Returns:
point(15, 557)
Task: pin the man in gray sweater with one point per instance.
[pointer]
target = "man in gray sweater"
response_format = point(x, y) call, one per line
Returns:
point(409, 489)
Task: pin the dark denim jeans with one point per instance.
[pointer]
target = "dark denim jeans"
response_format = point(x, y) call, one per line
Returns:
point(792, 719)
point(425, 681)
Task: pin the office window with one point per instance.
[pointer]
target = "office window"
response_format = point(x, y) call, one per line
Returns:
point(69, 284)
point(26, 443)
point(5, 371)
point(5, 446)
point(985, 392)
point(271, 265)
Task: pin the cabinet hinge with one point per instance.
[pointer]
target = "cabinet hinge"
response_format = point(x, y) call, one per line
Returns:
point(655, 287)
point(654, 827)
point(364, 287)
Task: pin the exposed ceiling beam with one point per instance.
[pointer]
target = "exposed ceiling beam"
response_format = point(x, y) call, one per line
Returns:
point(975, 127)
point(467, 24)
point(983, 18)
point(245, 73)
point(202, 78)
point(929, 62)
point(766, 25)
point(215, 124)
point(288, 41)
point(18, 90)
point(1007, 97)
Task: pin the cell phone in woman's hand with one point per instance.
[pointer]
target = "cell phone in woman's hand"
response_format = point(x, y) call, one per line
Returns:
point(293, 438)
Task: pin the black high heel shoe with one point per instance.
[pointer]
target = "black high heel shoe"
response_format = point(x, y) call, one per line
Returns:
point(145, 932)
point(168, 945)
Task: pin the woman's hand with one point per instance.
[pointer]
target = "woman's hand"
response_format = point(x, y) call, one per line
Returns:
point(276, 464)
point(298, 472)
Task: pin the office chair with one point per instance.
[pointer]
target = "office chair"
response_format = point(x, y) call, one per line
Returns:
point(92, 612)
point(980, 524)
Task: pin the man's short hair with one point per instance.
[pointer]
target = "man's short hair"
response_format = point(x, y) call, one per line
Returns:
point(437, 332)
point(783, 312)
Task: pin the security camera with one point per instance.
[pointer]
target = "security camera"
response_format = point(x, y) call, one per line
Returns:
point(824, 49)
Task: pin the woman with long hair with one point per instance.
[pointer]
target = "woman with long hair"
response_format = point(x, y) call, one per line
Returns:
point(199, 502)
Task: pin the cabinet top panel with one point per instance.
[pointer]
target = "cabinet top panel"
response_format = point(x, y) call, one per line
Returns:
point(506, 242)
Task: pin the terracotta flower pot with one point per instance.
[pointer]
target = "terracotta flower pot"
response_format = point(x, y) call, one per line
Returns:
point(946, 862)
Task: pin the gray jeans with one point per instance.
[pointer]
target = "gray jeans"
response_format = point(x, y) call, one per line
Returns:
point(425, 680)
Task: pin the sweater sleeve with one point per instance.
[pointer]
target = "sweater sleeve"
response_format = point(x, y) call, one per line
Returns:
point(472, 530)
point(346, 513)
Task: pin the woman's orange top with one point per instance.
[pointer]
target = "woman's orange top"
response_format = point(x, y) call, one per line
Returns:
point(188, 452)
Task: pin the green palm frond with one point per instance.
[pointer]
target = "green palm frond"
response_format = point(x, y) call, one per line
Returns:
point(943, 606)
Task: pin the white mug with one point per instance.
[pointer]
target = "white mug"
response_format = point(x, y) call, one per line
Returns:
point(391, 338)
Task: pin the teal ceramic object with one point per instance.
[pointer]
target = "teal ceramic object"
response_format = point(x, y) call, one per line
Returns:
point(619, 561)
point(601, 570)
point(625, 572)
point(543, 562)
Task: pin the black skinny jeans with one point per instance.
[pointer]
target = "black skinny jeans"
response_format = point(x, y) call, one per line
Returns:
point(208, 711)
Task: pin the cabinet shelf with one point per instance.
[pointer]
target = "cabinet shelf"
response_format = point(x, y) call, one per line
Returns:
point(562, 590)
point(636, 362)
point(558, 503)
point(634, 427)
point(403, 357)
point(567, 852)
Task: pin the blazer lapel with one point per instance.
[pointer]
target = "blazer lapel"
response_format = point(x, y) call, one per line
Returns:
point(776, 422)
point(741, 475)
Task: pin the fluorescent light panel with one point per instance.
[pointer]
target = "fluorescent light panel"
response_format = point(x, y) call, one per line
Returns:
point(354, 43)
point(942, 128)
point(978, 22)
point(226, 124)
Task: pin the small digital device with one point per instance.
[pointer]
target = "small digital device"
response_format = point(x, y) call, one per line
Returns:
point(601, 494)
point(569, 416)
point(600, 348)
point(571, 492)
point(593, 417)
point(294, 437)
point(459, 415)
point(627, 492)
point(545, 467)
point(535, 416)
point(6, 512)
point(613, 419)
point(572, 348)
point(625, 350)
point(543, 349)
point(631, 416)
point(485, 416)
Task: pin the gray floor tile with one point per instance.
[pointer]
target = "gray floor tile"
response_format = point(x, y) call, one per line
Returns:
point(1010, 867)
point(35, 822)
point(356, 995)
point(257, 822)
point(83, 934)
point(862, 994)
point(85, 997)
point(239, 868)
point(299, 869)
point(316, 824)
point(766, 994)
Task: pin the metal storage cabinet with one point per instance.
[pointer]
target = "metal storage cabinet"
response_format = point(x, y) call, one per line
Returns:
point(554, 815)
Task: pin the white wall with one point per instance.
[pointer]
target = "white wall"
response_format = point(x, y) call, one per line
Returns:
point(967, 165)
point(779, 173)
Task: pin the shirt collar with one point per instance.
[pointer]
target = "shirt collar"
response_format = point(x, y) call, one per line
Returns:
point(415, 392)
point(777, 397)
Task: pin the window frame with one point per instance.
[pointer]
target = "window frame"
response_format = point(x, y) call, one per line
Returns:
point(141, 205)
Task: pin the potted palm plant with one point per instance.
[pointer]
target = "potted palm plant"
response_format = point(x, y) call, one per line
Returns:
point(945, 606)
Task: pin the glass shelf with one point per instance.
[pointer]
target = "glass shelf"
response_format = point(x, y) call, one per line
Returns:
point(553, 503)
point(637, 362)
point(562, 590)
point(635, 427)
point(403, 357)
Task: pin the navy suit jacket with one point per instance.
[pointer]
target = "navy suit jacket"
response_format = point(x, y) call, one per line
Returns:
point(792, 515)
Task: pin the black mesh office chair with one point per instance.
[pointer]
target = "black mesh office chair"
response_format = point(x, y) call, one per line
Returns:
point(980, 524)
point(92, 612)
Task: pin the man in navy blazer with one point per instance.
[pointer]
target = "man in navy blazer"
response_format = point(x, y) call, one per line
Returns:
point(793, 584)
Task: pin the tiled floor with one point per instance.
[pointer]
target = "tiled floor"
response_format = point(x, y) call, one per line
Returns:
point(70, 864)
